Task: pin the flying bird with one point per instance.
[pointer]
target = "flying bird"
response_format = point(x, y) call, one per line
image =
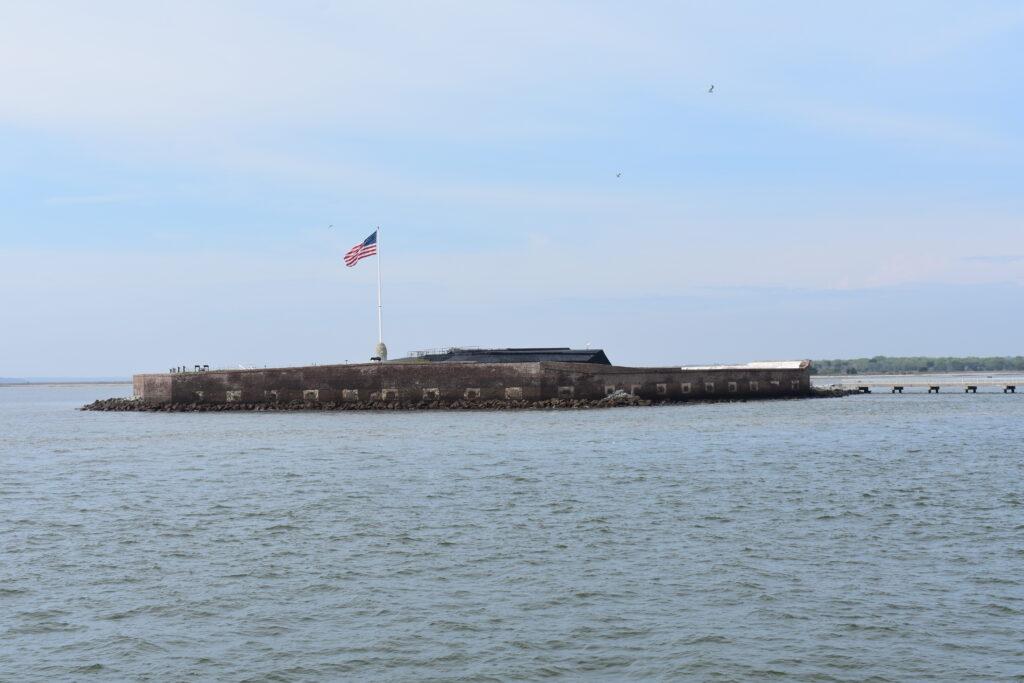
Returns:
point(712, 88)
point(618, 175)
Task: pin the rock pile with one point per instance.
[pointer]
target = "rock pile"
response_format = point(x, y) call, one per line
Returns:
point(832, 391)
point(618, 399)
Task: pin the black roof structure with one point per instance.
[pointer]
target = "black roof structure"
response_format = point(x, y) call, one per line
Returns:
point(563, 354)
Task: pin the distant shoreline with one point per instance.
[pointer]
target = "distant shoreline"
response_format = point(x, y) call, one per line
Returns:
point(952, 373)
point(916, 365)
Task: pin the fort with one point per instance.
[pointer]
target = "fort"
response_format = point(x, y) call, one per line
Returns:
point(466, 378)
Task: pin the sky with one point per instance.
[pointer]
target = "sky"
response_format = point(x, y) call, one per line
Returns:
point(169, 175)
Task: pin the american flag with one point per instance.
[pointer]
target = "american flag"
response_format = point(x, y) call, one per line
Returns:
point(367, 247)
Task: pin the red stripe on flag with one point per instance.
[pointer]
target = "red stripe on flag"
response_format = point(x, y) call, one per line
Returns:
point(358, 253)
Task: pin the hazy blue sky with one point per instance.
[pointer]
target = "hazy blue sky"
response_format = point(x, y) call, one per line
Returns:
point(853, 186)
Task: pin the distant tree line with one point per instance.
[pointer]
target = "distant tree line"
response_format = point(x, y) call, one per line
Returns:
point(894, 364)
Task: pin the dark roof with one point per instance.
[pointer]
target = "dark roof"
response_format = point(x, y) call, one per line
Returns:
point(562, 354)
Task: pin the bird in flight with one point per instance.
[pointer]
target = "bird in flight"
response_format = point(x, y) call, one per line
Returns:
point(618, 175)
point(330, 226)
point(712, 88)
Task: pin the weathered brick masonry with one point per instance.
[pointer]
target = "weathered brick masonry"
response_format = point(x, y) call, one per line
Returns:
point(418, 382)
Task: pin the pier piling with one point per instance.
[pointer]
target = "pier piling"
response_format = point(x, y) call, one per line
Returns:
point(969, 385)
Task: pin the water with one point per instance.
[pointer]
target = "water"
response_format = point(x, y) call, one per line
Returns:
point(871, 537)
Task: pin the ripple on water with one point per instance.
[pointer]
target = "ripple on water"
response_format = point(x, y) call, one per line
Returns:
point(859, 539)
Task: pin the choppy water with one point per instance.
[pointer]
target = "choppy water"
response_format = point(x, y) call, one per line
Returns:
point(873, 537)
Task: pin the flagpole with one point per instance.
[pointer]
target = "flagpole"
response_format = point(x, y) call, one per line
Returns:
point(380, 319)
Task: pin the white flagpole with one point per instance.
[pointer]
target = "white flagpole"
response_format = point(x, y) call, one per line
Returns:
point(380, 321)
